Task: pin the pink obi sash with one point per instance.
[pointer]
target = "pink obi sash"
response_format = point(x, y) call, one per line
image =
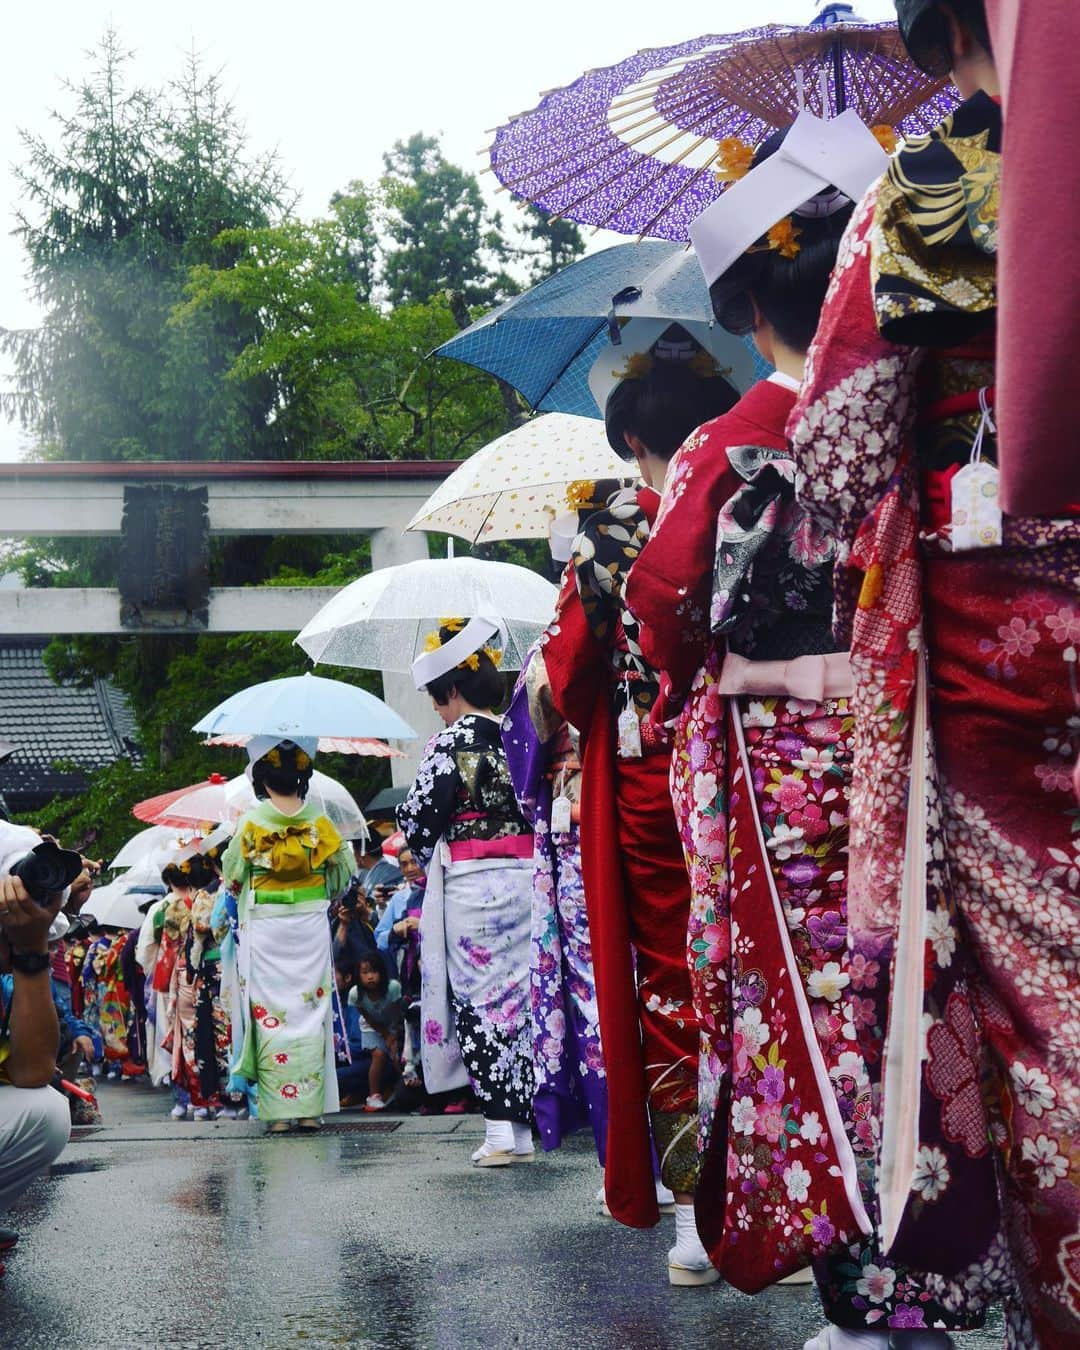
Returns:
point(810, 678)
point(509, 846)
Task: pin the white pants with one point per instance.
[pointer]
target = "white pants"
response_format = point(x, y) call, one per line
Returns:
point(35, 1124)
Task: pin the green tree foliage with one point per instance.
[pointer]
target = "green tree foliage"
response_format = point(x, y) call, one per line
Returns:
point(441, 235)
point(133, 192)
point(351, 377)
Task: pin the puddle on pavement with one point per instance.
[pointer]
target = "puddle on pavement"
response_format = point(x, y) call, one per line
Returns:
point(71, 1169)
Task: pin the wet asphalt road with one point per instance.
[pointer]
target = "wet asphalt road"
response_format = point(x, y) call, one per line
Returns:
point(154, 1233)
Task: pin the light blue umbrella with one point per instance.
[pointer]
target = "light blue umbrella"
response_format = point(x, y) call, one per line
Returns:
point(545, 341)
point(306, 706)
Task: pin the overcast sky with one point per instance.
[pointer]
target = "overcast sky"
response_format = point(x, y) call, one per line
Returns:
point(331, 84)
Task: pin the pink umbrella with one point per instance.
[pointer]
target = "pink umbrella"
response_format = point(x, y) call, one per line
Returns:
point(338, 745)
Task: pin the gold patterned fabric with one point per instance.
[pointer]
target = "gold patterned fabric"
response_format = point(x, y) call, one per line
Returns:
point(675, 1134)
point(934, 238)
point(288, 856)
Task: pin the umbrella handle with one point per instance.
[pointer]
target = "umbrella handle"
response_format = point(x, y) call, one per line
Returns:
point(626, 296)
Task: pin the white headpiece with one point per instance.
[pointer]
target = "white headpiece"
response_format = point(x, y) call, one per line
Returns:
point(261, 745)
point(640, 337)
point(477, 632)
point(562, 532)
point(815, 155)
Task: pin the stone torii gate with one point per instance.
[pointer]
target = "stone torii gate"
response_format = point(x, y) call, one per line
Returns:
point(165, 514)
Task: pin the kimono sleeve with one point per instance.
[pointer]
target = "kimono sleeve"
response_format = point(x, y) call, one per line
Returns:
point(669, 586)
point(339, 869)
point(855, 409)
point(234, 866)
point(576, 662)
point(426, 811)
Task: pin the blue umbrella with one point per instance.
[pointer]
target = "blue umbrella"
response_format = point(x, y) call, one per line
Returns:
point(545, 341)
point(305, 706)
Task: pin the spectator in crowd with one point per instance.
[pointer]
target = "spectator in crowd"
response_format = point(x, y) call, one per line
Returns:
point(353, 1060)
point(34, 1119)
point(378, 999)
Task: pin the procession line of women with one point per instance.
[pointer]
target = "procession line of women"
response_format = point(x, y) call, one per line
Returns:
point(808, 711)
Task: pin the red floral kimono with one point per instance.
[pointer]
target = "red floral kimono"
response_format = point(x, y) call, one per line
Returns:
point(735, 579)
point(636, 889)
point(965, 854)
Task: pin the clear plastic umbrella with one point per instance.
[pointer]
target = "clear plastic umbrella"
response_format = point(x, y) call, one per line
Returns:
point(118, 903)
point(305, 706)
point(514, 487)
point(380, 621)
point(151, 848)
point(225, 800)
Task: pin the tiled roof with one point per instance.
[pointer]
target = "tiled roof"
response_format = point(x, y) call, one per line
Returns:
point(91, 726)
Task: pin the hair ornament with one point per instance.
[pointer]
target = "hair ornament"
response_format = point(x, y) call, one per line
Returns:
point(273, 757)
point(579, 495)
point(637, 367)
point(886, 137)
point(735, 159)
point(783, 238)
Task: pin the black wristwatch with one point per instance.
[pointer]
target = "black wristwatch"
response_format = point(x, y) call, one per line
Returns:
point(30, 963)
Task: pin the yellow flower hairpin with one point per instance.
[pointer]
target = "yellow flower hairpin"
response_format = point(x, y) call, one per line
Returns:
point(580, 494)
point(303, 760)
point(735, 159)
point(783, 238)
point(886, 137)
point(637, 367)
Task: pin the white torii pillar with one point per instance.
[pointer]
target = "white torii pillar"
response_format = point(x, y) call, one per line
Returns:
point(390, 548)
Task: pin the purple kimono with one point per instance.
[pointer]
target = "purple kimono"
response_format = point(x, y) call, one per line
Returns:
point(571, 1086)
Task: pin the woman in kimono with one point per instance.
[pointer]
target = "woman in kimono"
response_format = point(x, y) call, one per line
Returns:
point(733, 597)
point(964, 622)
point(285, 864)
point(636, 887)
point(571, 1088)
point(463, 824)
point(178, 1038)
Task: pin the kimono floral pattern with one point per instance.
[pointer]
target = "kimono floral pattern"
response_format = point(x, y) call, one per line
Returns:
point(566, 1020)
point(475, 1010)
point(488, 923)
point(993, 630)
point(462, 790)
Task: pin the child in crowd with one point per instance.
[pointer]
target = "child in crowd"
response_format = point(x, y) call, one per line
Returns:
point(353, 1065)
point(378, 1000)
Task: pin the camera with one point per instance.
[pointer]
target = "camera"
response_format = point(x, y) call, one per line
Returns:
point(47, 869)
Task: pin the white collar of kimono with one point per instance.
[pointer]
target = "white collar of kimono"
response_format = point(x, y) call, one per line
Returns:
point(429, 666)
point(784, 381)
point(815, 155)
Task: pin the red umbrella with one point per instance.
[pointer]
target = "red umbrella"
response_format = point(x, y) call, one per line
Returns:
point(155, 810)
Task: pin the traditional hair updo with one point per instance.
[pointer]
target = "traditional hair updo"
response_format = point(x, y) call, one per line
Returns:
point(284, 769)
point(191, 874)
point(925, 31)
point(789, 291)
point(663, 406)
point(481, 685)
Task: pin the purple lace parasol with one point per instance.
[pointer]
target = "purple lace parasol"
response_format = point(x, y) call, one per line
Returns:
point(635, 147)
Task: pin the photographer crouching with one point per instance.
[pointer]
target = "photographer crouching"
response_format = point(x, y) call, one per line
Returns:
point(35, 1121)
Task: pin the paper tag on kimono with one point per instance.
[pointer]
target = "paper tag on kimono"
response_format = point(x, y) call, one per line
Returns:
point(629, 735)
point(976, 511)
point(560, 815)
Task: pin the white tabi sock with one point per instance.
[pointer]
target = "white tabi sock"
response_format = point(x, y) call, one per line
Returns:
point(688, 1250)
point(839, 1338)
point(498, 1138)
point(921, 1338)
point(523, 1140)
